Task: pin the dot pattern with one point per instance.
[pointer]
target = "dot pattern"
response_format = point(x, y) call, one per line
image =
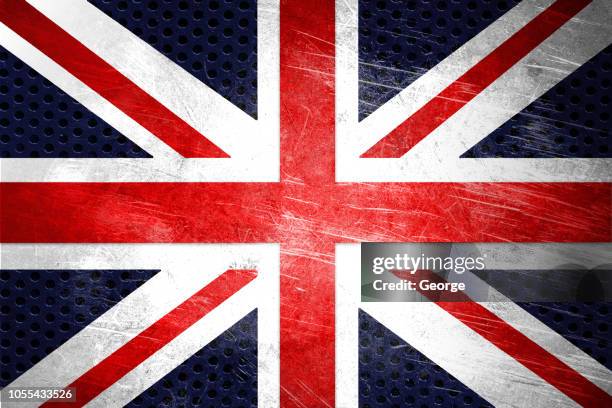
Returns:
point(586, 325)
point(400, 40)
point(41, 309)
point(570, 120)
point(222, 374)
point(392, 374)
point(37, 119)
point(213, 40)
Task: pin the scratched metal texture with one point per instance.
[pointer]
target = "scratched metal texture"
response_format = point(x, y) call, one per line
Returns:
point(586, 325)
point(393, 374)
point(215, 41)
point(221, 374)
point(399, 40)
point(570, 120)
point(42, 309)
point(308, 212)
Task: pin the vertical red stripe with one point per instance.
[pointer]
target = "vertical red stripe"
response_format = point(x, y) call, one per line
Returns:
point(156, 336)
point(474, 81)
point(307, 180)
point(90, 69)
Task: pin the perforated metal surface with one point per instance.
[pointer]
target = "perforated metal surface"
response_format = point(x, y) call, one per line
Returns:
point(41, 309)
point(392, 374)
point(213, 40)
point(221, 374)
point(400, 40)
point(586, 325)
point(37, 119)
point(570, 120)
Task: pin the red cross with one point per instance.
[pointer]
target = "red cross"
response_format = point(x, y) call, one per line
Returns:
point(307, 212)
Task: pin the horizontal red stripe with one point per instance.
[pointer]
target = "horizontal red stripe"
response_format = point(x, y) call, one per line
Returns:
point(138, 212)
point(474, 81)
point(516, 344)
point(156, 336)
point(274, 212)
point(74, 57)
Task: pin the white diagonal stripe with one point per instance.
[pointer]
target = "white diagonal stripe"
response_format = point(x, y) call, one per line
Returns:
point(84, 95)
point(467, 356)
point(252, 144)
point(203, 332)
point(186, 268)
point(190, 99)
point(436, 158)
point(470, 358)
point(417, 94)
point(552, 342)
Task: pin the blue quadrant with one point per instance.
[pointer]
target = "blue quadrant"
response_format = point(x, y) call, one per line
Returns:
point(572, 119)
point(37, 119)
point(213, 40)
point(392, 374)
point(400, 40)
point(586, 325)
point(221, 374)
point(41, 309)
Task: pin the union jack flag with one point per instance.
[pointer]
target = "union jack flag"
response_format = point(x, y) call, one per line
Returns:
point(185, 185)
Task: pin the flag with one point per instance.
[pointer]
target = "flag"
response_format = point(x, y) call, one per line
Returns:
point(276, 136)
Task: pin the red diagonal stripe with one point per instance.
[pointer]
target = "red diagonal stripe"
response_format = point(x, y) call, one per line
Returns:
point(90, 69)
point(156, 336)
point(528, 353)
point(474, 81)
point(516, 344)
